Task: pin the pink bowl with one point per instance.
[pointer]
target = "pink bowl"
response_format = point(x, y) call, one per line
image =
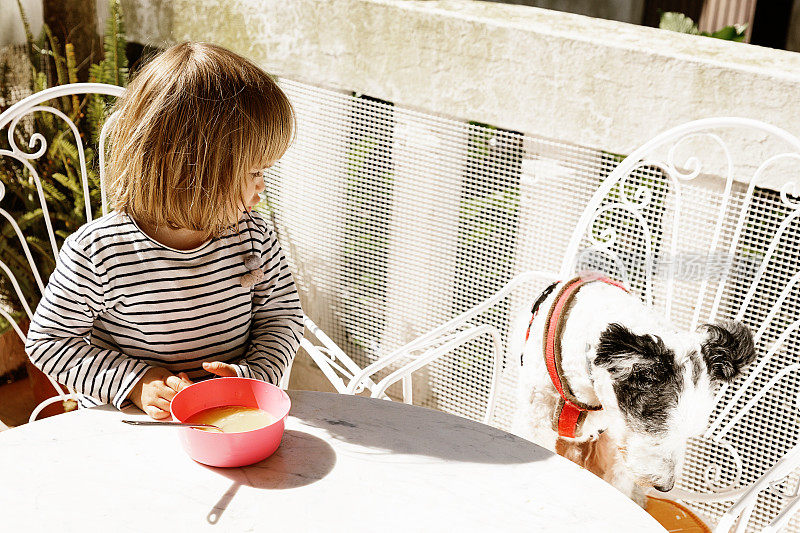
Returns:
point(231, 449)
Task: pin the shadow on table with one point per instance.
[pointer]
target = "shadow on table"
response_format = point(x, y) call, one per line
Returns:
point(397, 428)
point(300, 460)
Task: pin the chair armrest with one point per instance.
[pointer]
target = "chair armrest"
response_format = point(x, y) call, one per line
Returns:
point(332, 360)
point(747, 502)
point(50, 401)
point(439, 352)
point(328, 367)
point(439, 333)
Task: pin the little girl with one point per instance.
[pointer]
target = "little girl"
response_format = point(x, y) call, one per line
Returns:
point(181, 281)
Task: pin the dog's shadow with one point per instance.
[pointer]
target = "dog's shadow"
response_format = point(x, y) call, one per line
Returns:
point(300, 460)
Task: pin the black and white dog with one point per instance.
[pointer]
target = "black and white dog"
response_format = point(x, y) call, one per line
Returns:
point(652, 385)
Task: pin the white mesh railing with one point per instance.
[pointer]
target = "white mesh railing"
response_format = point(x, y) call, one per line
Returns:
point(396, 221)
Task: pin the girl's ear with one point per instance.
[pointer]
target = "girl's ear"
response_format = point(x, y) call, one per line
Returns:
point(727, 349)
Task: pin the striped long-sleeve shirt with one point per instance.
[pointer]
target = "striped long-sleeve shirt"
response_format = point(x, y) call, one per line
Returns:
point(119, 303)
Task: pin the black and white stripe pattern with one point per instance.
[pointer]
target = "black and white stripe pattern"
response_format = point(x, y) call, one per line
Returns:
point(119, 303)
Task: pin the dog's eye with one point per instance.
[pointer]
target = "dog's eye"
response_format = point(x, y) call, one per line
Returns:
point(696, 367)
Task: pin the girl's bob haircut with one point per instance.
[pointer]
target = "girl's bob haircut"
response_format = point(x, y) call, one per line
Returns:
point(192, 126)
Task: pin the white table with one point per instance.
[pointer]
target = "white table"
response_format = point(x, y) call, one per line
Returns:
point(346, 463)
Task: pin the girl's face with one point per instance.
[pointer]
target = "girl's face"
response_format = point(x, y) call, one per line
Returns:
point(253, 186)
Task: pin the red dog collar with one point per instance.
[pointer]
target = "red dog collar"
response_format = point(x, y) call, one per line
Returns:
point(570, 412)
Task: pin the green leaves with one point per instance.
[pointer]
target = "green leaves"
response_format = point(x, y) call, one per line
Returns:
point(59, 168)
point(730, 33)
point(681, 23)
point(678, 22)
point(113, 69)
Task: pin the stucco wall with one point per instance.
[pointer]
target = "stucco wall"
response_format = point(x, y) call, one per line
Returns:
point(622, 10)
point(12, 30)
point(592, 82)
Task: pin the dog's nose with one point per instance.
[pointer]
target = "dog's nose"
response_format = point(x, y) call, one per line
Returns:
point(665, 487)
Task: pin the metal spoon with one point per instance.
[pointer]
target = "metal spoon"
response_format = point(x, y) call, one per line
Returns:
point(171, 424)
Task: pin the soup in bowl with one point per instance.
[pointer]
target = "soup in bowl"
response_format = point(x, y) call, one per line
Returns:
point(251, 414)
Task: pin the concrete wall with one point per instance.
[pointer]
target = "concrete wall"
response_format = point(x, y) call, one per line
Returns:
point(622, 10)
point(12, 30)
point(592, 82)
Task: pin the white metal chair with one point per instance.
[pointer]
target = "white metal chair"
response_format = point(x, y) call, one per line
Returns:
point(10, 118)
point(733, 232)
point(633, 225)
point(442, 341)
point(738, 515)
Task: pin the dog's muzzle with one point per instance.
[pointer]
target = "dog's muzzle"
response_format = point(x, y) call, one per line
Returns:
point(665, 487)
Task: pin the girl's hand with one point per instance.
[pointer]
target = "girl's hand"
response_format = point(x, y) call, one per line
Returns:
point(223, 370)
point(154, 392)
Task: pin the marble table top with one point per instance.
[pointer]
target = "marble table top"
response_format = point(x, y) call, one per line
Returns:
point(346, 463)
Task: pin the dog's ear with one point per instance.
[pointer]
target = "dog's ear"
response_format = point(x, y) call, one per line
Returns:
point(646, 378)
point(727, 349)
point(639, 360)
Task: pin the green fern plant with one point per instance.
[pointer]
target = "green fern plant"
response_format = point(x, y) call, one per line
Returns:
point(682, 24)
point(59, 169)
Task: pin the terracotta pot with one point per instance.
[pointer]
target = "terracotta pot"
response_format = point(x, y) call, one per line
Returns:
point(12, 349)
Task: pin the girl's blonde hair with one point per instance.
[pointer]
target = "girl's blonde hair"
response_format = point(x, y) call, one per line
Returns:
point(191, 126)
